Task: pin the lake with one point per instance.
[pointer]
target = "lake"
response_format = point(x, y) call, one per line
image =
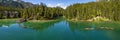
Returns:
point(60, 30)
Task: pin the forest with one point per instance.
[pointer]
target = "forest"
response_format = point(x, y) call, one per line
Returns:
point(106, 9)
point(79, 11)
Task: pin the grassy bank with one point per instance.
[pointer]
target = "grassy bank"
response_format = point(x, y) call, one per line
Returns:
point(42, 21)
point(7, 21)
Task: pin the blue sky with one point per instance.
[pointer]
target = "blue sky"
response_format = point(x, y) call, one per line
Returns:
point(61, 3)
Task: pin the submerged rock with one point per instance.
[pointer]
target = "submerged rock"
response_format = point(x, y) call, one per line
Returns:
point(106, 28)
point(5, 26)
point(89, 28)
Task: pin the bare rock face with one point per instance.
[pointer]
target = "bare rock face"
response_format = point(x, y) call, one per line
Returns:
point(15, 3)
point(99, 18)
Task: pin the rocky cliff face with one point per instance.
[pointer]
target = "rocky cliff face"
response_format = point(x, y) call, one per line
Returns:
point(15, 3)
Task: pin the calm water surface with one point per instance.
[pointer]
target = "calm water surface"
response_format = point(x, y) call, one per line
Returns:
point(61, 30)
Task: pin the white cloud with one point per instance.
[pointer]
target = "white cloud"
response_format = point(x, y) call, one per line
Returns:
point(50, 5)
point(58, 4)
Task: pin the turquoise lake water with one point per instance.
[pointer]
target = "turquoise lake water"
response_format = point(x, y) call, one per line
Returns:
point(60, 30)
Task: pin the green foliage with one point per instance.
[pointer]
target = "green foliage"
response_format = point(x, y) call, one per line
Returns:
point(38, 12)
point(79, 11)
point(85, 11)
point(42, 12)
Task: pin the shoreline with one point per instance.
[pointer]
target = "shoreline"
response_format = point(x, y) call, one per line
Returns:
point(42, 21)
point(17, 19)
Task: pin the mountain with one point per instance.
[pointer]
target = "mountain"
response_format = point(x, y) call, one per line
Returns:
point(15, 3)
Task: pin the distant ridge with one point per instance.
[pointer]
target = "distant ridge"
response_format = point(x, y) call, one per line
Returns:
point(15, 3)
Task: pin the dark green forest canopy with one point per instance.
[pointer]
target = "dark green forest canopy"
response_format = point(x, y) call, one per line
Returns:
point(21, 9)
point(78, 11)
point(106, 9)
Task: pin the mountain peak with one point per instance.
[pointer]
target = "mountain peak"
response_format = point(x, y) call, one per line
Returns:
point(15, 3)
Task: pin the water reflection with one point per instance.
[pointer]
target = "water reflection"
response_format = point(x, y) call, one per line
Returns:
point(30, 25)
point(94, 26)
point(59, 30)
point(40, 26)
point(97, 31)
